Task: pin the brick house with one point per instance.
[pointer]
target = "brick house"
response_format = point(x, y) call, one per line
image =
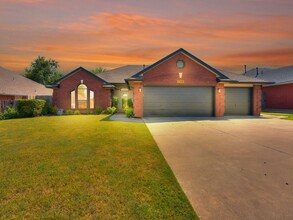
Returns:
point(179, 84)
point(279, 94)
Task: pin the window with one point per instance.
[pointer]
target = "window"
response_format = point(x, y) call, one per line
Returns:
point(82, 96)
point(92, 99)
point(73, 99)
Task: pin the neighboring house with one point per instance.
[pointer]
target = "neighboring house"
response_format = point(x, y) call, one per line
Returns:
point(180, 84)
point(15, 86)
point(280, 94)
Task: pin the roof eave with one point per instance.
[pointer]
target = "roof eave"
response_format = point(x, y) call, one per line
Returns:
point(52, 86)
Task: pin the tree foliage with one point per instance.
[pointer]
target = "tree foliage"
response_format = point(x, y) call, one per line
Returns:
point(98, 70)
point(44, 71)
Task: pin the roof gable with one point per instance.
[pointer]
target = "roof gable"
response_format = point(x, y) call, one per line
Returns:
point(181, 50)
point(76, 71)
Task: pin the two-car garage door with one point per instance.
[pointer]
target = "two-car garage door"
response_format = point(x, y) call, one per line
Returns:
point(178, 101)
point(194, 101)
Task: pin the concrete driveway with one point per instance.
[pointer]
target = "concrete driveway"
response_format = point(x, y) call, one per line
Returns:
point(238, 168)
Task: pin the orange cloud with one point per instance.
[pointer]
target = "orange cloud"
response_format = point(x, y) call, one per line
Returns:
point(112, 39)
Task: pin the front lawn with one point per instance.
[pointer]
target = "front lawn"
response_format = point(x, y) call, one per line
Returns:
point(284, 115)
point(71, 167)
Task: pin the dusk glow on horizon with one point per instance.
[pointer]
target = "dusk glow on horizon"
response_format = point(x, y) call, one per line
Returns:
point(226, 34)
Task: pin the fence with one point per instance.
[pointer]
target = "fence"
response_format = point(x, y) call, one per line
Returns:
point(4, 104)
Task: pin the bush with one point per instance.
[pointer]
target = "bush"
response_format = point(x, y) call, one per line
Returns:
point(10, 113)
point(129, 112)
point(130, 103)
point(54, 110)
point(77, 112)
point(115, 101)
point(47, 108)
point(30, 107)
point(111, 110)
point(99, 110)
point(69, 112)
point(1, 116)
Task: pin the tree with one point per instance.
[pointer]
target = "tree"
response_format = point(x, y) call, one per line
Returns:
point(43, 71)
point(98, 70)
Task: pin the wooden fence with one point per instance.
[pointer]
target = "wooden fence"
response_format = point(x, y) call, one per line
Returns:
point(4, 104)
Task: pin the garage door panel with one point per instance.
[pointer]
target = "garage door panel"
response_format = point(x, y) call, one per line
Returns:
point(238, 101)
point(178, 101)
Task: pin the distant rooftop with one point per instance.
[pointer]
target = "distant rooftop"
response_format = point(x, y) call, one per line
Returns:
point(279, 75)
point(12, 83)
point(119, 74)
point(242, 78)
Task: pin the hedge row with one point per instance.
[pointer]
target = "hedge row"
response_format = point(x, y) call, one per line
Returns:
point(28, 108)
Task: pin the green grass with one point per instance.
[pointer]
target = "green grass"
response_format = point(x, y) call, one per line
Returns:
point(79, 167)
point(285, 115)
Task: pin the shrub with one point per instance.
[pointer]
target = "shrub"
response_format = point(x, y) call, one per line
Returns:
point(48, 108)
point(115, 101)
point(69, 112)
point(77, 112)
point(30, 107)
point(99, 110)
point(10, 113)
point(54, 110)
point(130, 103)
point(1, 116)
point(111, 110)
point(114, 110)
point(129, 112)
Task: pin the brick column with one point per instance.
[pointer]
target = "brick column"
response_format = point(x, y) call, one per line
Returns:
point(220, 100)
point(138, 99)
point(256, 100)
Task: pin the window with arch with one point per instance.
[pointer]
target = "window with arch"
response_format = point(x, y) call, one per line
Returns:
point(82, 96)
point(84, 99)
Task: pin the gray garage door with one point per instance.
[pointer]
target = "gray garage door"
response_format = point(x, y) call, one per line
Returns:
point(238, 101)
point(178, 101)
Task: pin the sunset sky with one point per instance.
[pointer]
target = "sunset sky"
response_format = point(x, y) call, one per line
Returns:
point(109, 33)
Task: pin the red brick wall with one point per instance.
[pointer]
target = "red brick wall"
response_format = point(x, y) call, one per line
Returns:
point(256, 100)
point(62, 96)
point(220, 100)
point(7, 97)
point(278, 97)
point(138, 99)
point(166, 74)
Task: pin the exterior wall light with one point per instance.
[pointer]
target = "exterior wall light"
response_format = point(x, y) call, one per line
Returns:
point(139, 89)
point(219, 90)
point(81, 81)
point(180, 75)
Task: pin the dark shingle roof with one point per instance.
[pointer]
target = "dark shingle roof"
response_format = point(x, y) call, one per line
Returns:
point(280, 75)
point(12, 83)
point(119, 74)
point(241, 78)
